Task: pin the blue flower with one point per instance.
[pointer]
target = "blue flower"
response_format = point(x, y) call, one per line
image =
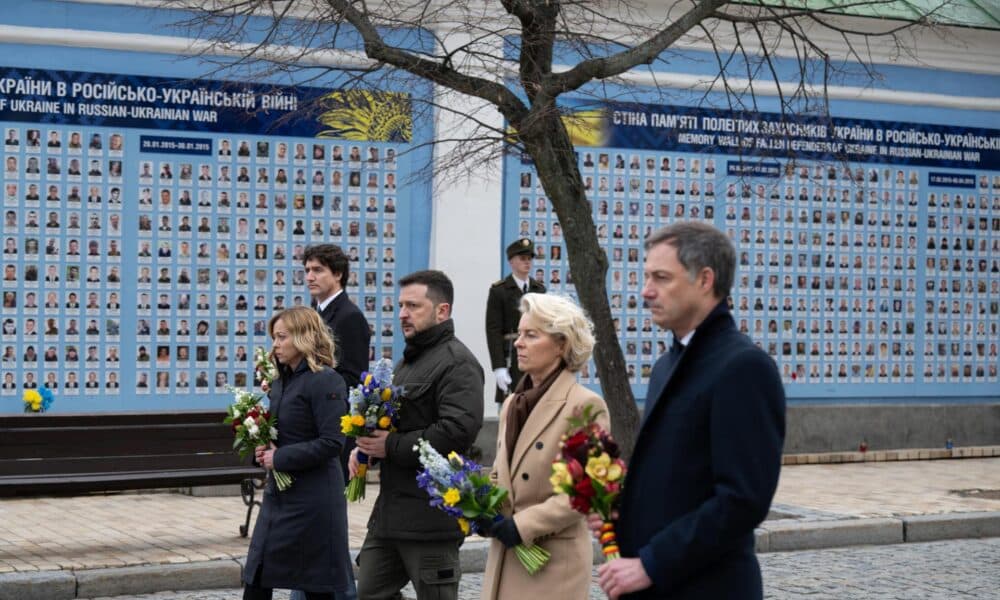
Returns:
point(47, 398)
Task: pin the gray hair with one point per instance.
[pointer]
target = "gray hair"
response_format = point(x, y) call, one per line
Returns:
point(564, 320)
point(698, 246)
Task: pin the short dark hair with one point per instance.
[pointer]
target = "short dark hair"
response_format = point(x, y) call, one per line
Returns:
point(698, 246)
point(439, 287)
point(330, 256)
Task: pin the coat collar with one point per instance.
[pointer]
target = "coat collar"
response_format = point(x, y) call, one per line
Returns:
point(278, 388)
point(331, 307)
point(717, 320)
point(548, 408)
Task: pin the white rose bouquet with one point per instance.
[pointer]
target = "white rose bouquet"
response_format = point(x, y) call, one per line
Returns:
point(253, 425)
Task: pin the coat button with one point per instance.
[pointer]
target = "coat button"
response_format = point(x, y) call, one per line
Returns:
point(539, 445)
point(524, 476)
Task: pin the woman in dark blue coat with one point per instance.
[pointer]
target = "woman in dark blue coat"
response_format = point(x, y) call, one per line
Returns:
point(300, 539)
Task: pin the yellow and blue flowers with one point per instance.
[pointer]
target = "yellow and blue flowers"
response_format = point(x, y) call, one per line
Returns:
point(374, 406)
point(458, 486)
point(38, 401)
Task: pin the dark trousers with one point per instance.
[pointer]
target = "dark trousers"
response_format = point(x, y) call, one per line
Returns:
point(351, 593)
point(387, 565)
point(253, 591)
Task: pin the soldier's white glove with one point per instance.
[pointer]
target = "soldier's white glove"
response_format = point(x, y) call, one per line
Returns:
point(503, 378)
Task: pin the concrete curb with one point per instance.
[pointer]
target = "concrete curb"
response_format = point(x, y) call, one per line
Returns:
point(782, 535)
point(40, 585)
point(204, 575)
point(786, 535)
point(928, 528)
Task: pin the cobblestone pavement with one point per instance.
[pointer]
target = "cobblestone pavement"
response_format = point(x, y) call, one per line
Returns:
point(953, 570)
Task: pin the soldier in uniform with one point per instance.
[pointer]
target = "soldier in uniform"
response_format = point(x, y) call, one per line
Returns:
point(502, 314)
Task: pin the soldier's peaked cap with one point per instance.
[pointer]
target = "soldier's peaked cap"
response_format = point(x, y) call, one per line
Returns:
point(521, 246)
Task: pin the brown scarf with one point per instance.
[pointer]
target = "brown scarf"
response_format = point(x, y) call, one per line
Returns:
point(525, 397)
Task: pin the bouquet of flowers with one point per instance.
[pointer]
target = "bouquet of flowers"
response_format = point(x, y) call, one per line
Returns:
point(590, 471)
point(457, 486)
point(253, 424)
point(38, 401)
point(265, 370)
point(374, 405)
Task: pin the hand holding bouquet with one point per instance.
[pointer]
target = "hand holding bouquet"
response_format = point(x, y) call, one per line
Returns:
point(457, 486)
point(374, 405)
point(253, 424)
point(588, 469)
point(38, 401)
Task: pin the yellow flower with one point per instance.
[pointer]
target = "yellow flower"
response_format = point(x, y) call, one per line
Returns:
point(386, 394)
point(384, 422)
point(357, 420)
point(597, 467)
point(451, 497)
point(615, 471)
point(345, 424)
point(560, 476)
point(464, 525)
point(455, 459)
point(368, 379)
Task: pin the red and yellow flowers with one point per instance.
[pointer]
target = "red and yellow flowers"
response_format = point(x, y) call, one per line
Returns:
point(588, 469)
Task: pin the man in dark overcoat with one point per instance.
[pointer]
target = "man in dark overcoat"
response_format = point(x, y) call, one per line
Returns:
point(706, 462)
point(503, 314)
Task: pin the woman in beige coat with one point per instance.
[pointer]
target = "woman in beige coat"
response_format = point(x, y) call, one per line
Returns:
point(554, 341)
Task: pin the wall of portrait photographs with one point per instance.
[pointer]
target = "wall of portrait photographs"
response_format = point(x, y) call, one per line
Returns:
point(141, 266)
point(863, 277)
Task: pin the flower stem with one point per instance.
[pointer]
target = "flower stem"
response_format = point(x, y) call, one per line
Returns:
point(533, 558)
point(355, 489)
point(283, 480)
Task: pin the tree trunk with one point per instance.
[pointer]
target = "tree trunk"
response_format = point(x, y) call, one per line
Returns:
point(549, 146)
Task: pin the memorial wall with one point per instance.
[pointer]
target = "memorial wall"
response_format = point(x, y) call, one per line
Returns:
point(152, 226)
point(868, 250)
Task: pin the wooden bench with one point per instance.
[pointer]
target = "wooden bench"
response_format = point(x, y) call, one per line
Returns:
point(46, 454)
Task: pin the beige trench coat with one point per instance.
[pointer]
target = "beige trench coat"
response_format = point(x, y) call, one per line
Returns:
point(541, 516)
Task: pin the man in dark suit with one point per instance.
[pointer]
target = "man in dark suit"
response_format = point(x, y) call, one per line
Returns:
point(327, 270)
point(503, 314)
point(707, 458)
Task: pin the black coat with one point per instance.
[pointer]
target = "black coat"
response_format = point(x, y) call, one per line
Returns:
point(705, 467)
point(300, 539)
point(351, 336)
point(442, 402)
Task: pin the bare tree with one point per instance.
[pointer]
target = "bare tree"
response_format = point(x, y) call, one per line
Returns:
point(505, 56)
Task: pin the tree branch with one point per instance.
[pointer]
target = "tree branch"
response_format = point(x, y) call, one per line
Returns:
point(644, 53)
point(376, 48)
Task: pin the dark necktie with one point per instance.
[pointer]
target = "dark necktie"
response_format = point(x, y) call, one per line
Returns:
point(676, 348)
point(524, 289)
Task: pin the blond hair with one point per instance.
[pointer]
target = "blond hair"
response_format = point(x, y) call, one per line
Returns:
point(563, 319)
point(309, 335)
